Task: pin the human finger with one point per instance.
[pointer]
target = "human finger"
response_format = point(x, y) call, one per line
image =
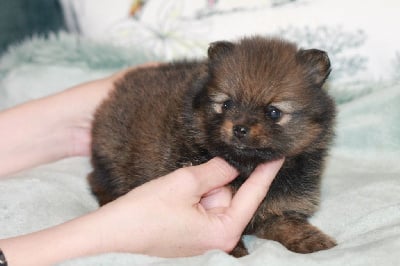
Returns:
point(253, 191)
point(210, 175)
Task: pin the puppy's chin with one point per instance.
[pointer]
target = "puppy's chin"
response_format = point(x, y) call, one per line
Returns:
point(243, 158)
point(254, 155)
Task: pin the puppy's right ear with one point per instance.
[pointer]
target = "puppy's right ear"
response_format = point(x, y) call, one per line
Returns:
point(317, 65)
point(216, 49)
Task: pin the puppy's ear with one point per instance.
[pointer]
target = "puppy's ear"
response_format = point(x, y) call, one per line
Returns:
point(317, 65)
point(216, 49)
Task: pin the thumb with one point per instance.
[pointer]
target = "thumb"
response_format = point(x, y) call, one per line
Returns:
point(252, 192)
point(212, 174)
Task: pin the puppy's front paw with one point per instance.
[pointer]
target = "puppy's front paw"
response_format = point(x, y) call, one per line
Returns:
point(309, 240)
point(297, 235)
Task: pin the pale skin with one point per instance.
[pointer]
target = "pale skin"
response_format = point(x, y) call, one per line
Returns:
point(192, 213)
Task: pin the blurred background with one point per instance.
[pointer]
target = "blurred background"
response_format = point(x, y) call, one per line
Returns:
point(23, 18)
point(359, 35)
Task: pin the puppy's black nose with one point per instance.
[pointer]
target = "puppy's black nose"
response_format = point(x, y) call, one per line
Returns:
point(240, 131)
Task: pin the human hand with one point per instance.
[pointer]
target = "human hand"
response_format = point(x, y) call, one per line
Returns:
point(186, 212)
point(83, 101)
point(54, 127)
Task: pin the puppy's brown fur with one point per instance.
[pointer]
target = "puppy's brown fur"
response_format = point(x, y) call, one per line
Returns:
point(252, 101)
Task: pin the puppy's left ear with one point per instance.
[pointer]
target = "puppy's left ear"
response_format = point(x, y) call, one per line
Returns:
point(316, 64)
point(216, 49)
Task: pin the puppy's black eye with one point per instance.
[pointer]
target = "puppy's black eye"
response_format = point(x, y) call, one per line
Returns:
point(228, 104)
point(273, 113)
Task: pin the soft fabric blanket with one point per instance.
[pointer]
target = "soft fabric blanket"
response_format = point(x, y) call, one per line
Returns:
point(361, 186)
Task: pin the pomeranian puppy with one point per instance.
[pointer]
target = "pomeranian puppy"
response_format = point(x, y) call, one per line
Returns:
point(249, 102)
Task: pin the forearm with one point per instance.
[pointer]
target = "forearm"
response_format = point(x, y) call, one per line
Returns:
point(25, 140)
point(84, 236)
point(72, 239)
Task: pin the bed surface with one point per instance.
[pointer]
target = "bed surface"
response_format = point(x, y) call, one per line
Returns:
point(360, 204)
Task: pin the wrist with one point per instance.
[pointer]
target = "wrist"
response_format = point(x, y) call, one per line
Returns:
point(84, 99)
